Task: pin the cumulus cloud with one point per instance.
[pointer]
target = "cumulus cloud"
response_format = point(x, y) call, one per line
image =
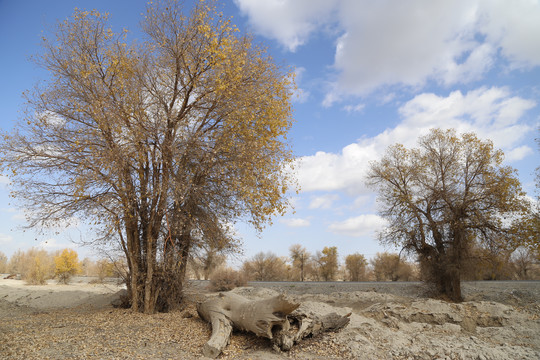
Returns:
point(406, 42)
point(296, 222)
point(288, 21)
point(491, 113)
point(363, 225)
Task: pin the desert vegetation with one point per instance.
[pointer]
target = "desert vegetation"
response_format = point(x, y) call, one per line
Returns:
point(519, 264)
point(36, 266)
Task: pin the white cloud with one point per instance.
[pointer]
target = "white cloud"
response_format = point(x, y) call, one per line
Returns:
point(300, 95)
point(363, 225)
point(354, 108)
point(288, 21)
point(518, 153)
point(4, 239)
point(514, 27)
point(398, 42)
point(296, 222)
point(492, 113)
point(330, 172)
point(406, 42)
point(323, 202)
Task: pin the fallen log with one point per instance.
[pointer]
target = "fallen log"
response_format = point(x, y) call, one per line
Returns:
point(269, 318)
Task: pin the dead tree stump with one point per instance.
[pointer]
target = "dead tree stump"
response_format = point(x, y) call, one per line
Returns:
point(270, 318)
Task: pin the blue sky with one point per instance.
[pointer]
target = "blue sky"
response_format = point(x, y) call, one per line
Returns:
point(369, 74)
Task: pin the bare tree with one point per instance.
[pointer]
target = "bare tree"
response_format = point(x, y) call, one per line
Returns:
point(265, 267)
point(391, 267)
point(444, 195)
point(356, 267)
point(300, 259)
point(523, 262)
point(160, 144)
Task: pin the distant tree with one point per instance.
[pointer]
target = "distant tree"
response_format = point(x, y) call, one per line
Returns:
point(490, 261)
point(356, 267)
point(531, 226)
point(523, 261)
point(37, 273)
point(87, 267)
point(104, 268)
point(300, 260)
point(16, 262)
point(328, 263)
point(3, 263)
point(265, 267)
point(34, 265)
point(390, 267)
point(210, 254)
point(442, 196)
point(66, 265)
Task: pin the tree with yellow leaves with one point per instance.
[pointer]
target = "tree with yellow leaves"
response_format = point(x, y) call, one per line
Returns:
point(66, 265)
point(444, 196)
point(162, 144)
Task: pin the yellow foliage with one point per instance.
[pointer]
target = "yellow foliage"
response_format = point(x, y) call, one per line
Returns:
point(67, 264)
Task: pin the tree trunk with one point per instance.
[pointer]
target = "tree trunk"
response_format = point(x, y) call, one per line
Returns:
point(269, 318)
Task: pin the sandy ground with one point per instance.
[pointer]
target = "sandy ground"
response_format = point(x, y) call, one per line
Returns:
point(388, 321)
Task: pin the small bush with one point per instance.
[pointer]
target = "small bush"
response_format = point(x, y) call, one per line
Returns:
point(226, 280)
point(37, 272)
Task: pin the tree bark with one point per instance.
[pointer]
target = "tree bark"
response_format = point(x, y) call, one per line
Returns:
point(269, 318)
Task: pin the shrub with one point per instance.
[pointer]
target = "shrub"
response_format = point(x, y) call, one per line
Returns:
point(37, 271)
point(226, 280)
point(265, 267)
point(34, 265)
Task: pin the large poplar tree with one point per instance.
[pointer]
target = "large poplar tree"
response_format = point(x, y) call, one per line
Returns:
point(162, 143)
point(444, 195)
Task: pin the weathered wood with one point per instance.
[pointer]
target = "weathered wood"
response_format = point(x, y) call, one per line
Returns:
point(228, 310)
point(270, 318)
point(308, 326)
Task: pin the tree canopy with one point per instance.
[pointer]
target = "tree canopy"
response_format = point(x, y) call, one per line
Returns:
point(161, 143)
point(444, 195)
